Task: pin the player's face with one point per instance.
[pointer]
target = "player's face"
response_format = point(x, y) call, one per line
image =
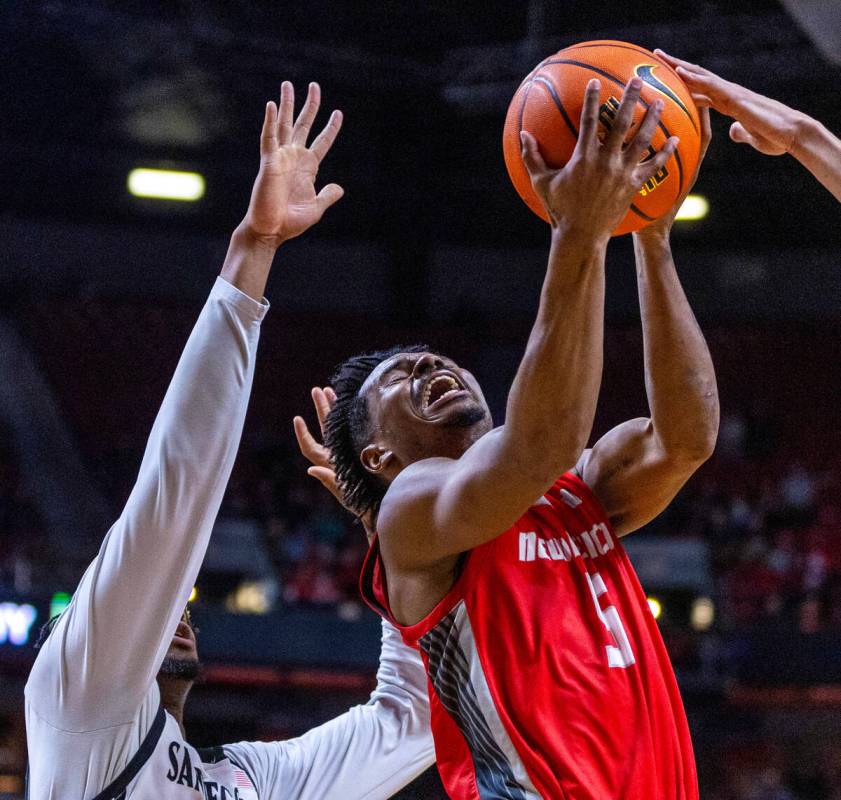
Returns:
point(422, 405)
point(183, 646)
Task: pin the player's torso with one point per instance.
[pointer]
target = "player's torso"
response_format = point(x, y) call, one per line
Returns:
point(549, 675)
point(163, 767)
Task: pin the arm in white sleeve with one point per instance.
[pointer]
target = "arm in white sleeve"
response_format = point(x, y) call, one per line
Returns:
point(369, 753)
point(107, 647)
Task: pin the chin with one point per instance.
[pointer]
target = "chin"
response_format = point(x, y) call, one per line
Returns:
point(181, 667)
point(469, 417)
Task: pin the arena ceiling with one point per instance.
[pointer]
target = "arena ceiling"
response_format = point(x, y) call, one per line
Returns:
point(93, 88)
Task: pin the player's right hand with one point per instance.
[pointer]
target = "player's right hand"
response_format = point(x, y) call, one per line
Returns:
point(284, 202)
point(765, 124)
point(592, 193)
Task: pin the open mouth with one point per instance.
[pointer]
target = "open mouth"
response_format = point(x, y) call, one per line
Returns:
point(438, 390)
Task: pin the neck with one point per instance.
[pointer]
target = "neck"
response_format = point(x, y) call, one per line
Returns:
point(174, 693)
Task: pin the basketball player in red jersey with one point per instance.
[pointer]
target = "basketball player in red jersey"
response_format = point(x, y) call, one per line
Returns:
point(767, 125)
point(547, 674)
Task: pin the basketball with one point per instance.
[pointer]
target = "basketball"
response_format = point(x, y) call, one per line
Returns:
point(548, 104)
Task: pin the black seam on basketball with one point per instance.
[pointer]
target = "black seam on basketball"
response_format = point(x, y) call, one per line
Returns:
point(557, 101)
point(642, 213)
point(608, 75)
point(645, 105)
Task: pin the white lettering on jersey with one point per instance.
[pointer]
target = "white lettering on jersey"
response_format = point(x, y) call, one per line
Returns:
point(595, 542)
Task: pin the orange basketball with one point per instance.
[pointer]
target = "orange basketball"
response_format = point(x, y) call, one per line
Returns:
point(548, 105)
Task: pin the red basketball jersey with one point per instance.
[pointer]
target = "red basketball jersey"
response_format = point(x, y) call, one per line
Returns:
point(548, 677)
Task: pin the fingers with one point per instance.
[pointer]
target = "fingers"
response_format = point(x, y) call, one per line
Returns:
point(675, 62)
point(642, 139)
point(268, 140)
point(651, 167)
point(624, 116)
point(589, 125)
point(324, 141)
point(311, 450)
point(327, 478)
point(532, 158)
point(331, 395)
point(322, 406)
point(739, 133)
point(698, 82)
point(330, 194)
point(301, 129)
point(287, 107)
point(706, 129)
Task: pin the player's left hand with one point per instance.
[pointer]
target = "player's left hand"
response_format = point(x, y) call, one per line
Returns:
point(663, 226)
point(284, 202)
point(319, 455)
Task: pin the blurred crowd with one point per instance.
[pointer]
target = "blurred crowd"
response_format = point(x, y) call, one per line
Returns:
point(771, 519)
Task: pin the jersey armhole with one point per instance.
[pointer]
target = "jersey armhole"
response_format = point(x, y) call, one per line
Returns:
point(116, 789)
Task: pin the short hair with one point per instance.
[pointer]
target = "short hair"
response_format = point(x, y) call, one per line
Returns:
point(348, 429)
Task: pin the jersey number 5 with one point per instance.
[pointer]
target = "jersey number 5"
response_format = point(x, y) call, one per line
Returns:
point(619, 654)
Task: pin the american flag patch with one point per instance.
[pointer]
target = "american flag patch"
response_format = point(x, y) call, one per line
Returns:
point(242, 780)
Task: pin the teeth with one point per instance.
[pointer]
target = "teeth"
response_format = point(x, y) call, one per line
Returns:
point(451, 382)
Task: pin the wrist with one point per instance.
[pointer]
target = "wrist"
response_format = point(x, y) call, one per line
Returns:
point(653, 235)
point(245, 236)
point(806, 131)
point(570, 235)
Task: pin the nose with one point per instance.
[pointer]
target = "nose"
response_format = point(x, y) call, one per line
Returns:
point(425, 364)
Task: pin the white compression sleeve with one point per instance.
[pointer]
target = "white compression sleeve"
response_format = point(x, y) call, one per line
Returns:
point(106, 648)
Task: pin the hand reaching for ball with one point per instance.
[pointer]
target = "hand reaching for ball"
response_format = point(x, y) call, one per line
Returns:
point(592, 192)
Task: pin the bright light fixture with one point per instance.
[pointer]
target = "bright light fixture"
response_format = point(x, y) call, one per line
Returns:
point(656, 608)
point(194, 595)
point(702, 615)
point(166, 184)
point(694, 207)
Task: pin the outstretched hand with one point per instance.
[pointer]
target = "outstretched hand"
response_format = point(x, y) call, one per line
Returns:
point(284, 202)
point(765, 124)
point(592, 192)
point(319, 455)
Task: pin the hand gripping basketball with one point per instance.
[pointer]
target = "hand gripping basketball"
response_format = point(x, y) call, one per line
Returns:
point(592, 192)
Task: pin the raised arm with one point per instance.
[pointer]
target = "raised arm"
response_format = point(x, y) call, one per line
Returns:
point(766, 125)
point(370, 752)
point(105, 650)
point(440, 507)
point(637, 468)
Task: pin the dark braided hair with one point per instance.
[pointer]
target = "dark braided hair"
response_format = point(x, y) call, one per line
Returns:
point(348, 429)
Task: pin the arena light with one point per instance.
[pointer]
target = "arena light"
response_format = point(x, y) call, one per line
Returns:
point(58, 602)
point(694, 207)
point(655, 606)
point(194, 595)
point(702, 615)
point(166, 184)
point(16, 620)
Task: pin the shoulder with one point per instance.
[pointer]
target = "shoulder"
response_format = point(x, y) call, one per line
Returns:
point(411, 496)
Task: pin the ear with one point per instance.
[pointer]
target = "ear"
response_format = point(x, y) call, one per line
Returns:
point(376, 458)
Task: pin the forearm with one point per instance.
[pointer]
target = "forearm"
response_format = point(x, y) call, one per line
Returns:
point(125, 610)
point(552, 401)
point(248, 262)
point(819, 150)
point(679, 375)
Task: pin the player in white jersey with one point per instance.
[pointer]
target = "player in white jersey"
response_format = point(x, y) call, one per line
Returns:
point(99, 724)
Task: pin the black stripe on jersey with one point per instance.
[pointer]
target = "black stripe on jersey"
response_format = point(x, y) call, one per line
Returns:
point(117, 789)
point(449, 673)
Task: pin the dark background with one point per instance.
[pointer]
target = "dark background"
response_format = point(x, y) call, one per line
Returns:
point(98, 291)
